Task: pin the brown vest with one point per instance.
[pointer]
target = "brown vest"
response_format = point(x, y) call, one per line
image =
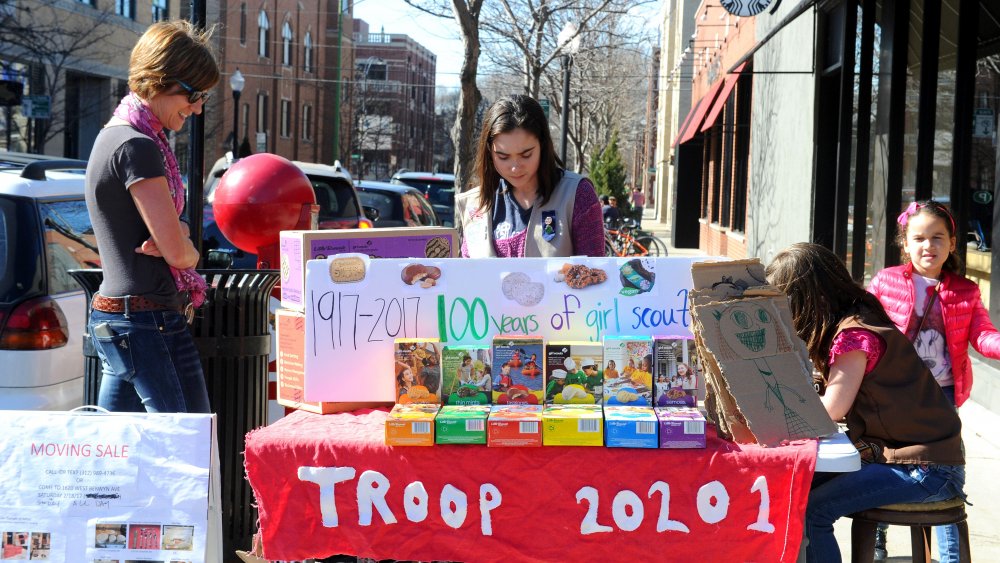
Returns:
point(900, 408)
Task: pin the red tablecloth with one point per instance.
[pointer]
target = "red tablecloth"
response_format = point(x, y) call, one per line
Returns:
point(328, 484)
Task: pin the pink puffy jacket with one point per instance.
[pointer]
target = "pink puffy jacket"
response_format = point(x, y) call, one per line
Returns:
point(966, 321)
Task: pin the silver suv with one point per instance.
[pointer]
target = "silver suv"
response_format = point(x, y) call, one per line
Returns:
point(44, 232)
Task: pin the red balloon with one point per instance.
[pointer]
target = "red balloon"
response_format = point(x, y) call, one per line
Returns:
point(260, 196)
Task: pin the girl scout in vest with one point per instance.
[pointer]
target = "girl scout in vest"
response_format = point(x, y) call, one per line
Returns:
point(526, 203)
point(906, 430)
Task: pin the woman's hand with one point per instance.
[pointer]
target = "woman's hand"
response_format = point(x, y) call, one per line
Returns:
point(170, 238)
point(149, 246)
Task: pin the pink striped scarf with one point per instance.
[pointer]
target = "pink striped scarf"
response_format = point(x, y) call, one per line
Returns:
point(137, 114)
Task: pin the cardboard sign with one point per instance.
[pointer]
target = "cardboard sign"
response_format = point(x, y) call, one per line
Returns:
point(82, 487)
point(356, 307)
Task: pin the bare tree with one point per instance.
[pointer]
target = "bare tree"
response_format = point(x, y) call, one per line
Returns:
point(466, 13)
point(53, 38)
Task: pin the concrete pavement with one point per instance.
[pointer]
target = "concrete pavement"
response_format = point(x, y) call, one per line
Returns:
point(981, 433)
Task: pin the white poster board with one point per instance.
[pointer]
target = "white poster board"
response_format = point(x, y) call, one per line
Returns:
point(106, 487)
point(351, 323)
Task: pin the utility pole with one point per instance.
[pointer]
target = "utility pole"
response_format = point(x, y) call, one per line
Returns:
point(336, 84)
point(196, 146)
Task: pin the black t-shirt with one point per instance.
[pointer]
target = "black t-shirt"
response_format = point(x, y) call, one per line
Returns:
point(121, 157)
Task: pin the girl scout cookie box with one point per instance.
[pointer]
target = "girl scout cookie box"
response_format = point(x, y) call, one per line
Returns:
point(514, 426)
point(466, 375)
point(676, 373)
point(628, 371)
point(418, 370)
point(681, 427)
point(461, 424)
point(291, 349)
point(411, 425)
point(296, 247)
point(573, 372)
point(572, 425)
point(630, 427)
point(518, 370)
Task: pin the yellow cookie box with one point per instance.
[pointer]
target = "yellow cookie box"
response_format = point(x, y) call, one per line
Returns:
point(411, 425)
point(572, 425)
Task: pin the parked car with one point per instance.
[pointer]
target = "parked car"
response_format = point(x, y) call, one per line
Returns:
point(339, 207)
point(396, 205)
point(44, 232)
point(439, 189)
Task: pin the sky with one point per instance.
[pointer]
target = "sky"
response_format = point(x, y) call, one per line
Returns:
point(440, 36)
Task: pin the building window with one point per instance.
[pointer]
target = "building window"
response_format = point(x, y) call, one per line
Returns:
point(87, 2)
point(263, 35)
point(262, 112)
point(125, 8)
point(161, 11)
point(306, 122)
point(286, 118)
point(286, 44)
point(307, 53)
point(245, 120)
point(243, 23)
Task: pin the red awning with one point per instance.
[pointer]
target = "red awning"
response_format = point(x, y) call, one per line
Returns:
point(720, 102)
point(687, 121)
point(697, 115)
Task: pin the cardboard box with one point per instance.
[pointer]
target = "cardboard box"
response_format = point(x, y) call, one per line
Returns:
point(574, 372)
point(461, 424)
point(515, 426)
point(572, 425)
point(628, 371)
point(291, 351)
point(466, 374)
point(417, 370)
point(676, 372)
point(411, 425)
point(518, 370)
point(681, 427)
point(297, 247)
point(630, 427)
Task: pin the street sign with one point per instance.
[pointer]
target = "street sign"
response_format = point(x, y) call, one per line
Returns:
point(983, 123)
point(37, 107)
point(261, 142)
point(545, 106)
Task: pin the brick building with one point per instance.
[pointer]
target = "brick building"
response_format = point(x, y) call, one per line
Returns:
point(392, 103)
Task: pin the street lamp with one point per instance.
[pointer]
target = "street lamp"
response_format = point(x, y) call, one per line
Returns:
point(236, 82)
point(569, 42)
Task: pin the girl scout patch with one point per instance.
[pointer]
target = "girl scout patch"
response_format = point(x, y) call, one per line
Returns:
point(548, 225)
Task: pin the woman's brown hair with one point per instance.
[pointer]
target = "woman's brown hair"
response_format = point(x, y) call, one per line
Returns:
point(170, 52)
point(821, 294)
point(506, 114)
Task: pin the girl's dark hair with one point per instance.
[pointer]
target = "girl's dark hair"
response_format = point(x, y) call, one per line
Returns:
point(506, 114)
point(935, 209)
point(821, 294)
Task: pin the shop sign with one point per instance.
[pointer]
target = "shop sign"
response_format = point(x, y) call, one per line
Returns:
point(982, 197)
point(983, 123)
point(744, 8)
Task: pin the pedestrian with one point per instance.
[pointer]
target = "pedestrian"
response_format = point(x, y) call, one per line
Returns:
point(940, 311)
point(906, 431)
point(638, 204)
point(135, 194)
point(609, 210)
point(522, 187)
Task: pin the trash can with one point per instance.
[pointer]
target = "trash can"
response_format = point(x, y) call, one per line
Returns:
point(231, 332)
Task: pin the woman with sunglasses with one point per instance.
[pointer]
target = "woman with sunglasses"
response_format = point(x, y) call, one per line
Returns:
point(135, 196)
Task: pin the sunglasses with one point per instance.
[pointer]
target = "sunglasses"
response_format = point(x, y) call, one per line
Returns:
point(194, 95)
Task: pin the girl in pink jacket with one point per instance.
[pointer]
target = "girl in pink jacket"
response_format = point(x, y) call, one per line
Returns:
point(932, 303)
point(940, 311)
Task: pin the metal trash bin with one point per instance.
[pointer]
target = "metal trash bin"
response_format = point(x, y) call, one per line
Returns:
point(232, 335)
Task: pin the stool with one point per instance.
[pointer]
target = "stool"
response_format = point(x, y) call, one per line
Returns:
point(920, 517)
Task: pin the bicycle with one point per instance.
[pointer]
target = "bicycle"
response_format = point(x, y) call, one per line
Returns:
point(622, 240)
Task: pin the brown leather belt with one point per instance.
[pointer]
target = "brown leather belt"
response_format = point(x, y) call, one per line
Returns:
point(136, 304)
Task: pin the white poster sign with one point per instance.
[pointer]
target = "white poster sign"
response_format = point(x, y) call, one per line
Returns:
point(105, 487)
point(354, 313)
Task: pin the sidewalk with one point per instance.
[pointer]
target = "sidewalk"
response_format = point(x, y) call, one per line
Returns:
point(981, 433)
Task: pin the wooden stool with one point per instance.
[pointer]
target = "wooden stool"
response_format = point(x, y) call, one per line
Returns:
point(920, 517)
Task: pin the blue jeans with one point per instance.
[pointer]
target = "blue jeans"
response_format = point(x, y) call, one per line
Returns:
point(834, 495)
point(947, 536)
point(149, 363)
